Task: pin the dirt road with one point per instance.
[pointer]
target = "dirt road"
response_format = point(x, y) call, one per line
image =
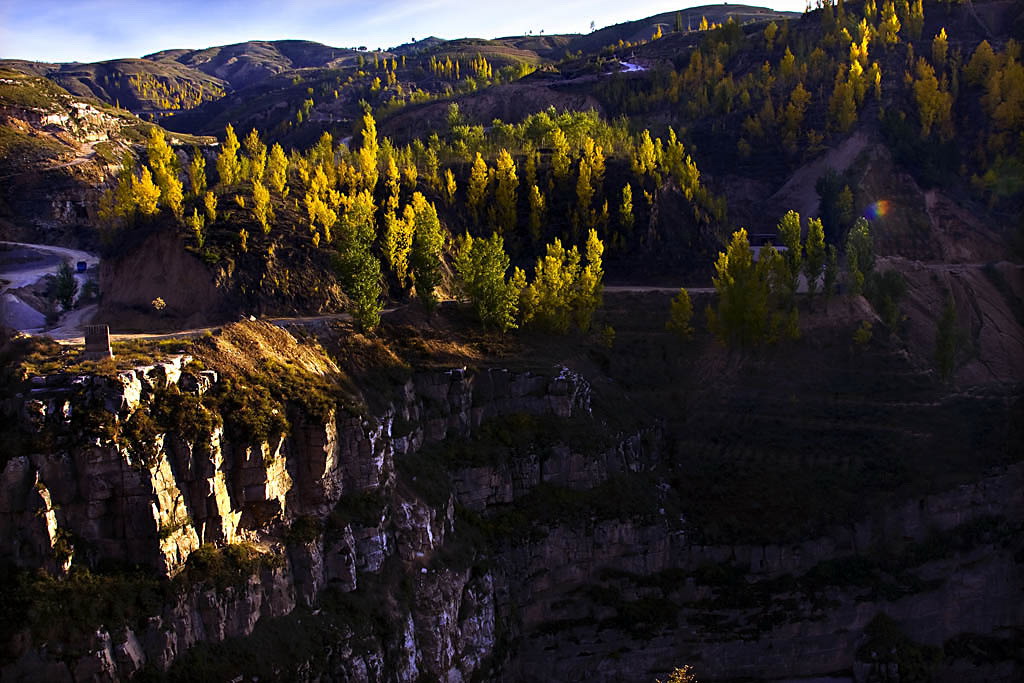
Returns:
point(22, 275)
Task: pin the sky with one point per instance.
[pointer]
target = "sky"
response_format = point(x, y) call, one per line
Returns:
point(95, 30)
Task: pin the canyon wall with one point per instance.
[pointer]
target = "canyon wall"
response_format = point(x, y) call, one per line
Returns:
point(532, 562)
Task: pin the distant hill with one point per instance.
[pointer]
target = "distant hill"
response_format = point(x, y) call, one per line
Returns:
point(417, 46)
point(245, 64)
point(545, 47)
point(642, 29)
point(140, 85)
point(179, 80)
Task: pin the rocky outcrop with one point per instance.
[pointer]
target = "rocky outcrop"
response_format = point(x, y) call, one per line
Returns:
point(153, 502)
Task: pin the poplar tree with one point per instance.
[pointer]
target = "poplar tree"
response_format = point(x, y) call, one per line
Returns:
point(228, 166)
point(277, 170)
point(789, 233)
point(476, 191)
point(145, 192)
point(391, 185)
point(359, 268)
point(934, 106)
point(860, 256)
point(983, 61)
point(645, 158)
point(584, 197)
point(532, 156)
point(680, 314)
point(481, 265)
point(681, 167)
point(197, 173)
point(162, 162)
point(427, 246)
point(842, 105)
point(560, 159)
point(626, 209)
point(588, 286)
point(505, 188)
point(196, 223)
point(366, 158)
point(793, 117)
point(256, 150)
point(536, 212)
point(262, 210)
point(397, 244)
point(210, 206)
point(430, 169)
point(889, 27)
point(321, 215)
point(915, 20)
point(815, 255)
point(742, 295)
point(547, 301)
point(940, 48)
point(449, 187)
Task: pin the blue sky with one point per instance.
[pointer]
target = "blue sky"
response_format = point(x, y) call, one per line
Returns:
point(93, 30)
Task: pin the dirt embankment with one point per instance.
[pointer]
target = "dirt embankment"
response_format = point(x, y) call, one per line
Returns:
point(989, 329)
point(159, 267)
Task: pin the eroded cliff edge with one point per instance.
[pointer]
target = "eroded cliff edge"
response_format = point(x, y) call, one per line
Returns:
point(481, 523)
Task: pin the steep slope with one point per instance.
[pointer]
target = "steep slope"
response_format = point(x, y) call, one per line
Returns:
point(56, 153)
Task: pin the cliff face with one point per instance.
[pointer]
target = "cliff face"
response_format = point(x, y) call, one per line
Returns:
point(402, 544)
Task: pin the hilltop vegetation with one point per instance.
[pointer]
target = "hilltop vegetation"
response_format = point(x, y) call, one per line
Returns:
point(391, 174)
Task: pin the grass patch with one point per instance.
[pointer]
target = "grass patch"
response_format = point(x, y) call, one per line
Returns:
point(18, 149)
point(18, 89)
point(228, 565)
point(65, 610)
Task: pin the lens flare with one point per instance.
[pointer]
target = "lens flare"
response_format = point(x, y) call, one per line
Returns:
point(877, 210)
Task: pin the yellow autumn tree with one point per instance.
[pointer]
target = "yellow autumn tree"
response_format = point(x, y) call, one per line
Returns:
point(476, 190)
point(934, 106)
point(145, 192)
point(506, 184)
point(940, 48)
point(743, 291)
point(228, 166)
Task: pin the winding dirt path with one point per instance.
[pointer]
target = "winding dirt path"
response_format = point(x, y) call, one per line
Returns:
point(32, 272)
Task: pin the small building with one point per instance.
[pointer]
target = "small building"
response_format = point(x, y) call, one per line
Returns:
point(97, 342)
point(758, 241)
